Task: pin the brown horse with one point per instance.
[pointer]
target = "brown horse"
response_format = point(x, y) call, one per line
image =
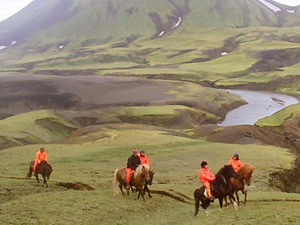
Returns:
point(138, 180)
point(245, 175)
point(43, 168)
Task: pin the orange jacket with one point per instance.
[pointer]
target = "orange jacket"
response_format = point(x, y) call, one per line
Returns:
point(144, 159)
point(205, 175)
point(40, 156)
point(236, 164)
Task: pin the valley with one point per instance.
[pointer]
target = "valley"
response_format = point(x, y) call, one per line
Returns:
point(91, 80)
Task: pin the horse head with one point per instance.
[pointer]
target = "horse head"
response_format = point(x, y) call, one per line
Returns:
point(150, 177)
point(246, 172)
point(146, 169)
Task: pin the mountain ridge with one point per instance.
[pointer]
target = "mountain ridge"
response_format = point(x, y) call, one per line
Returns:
point(59, 20)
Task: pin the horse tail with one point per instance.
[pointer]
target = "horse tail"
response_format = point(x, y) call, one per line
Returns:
point(116, 183)
point(29, 174)
point(197, 201)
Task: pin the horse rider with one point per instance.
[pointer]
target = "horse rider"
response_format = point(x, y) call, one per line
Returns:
point(143, 157)
point(235, 162)
point(39, 157)
point(206, 177)
point(132, 163)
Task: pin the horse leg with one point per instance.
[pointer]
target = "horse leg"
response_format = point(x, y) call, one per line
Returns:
point(237, 197)
point(140, 193)
point(45, 181)
point(221, 203)
point(37, 177)
point(121, 188)
point(204, 204)
point(234, 202)
point(132, 189)
point(147, 189)
point(226, 203)
point(245, 199)
point(230, 200)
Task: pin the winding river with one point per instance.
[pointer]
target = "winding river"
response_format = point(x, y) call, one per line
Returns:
point(260, 105)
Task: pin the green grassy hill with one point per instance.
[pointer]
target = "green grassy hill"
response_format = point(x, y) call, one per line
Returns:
point(60, 21)
point(175, 160)
point(285, 121)
point(33, 127)
point(199, 41)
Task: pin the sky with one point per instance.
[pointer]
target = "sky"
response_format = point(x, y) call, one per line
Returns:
point(10, 7)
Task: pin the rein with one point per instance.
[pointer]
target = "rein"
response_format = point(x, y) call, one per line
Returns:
point(225, 181)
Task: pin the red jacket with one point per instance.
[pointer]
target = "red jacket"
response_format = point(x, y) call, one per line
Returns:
point(205, 175)
point(40, 156)
point(144, 159)
point(236, 164)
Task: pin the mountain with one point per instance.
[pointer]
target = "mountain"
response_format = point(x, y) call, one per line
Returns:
point(232, 43)
point(92, 21)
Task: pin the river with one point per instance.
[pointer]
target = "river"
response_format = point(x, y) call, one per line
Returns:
point(260, 105)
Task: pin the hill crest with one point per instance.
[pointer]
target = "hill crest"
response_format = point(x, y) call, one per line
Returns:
point(92, 21)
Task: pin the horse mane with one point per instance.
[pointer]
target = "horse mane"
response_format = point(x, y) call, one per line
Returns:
point(245, 170)
point(220, 174)
point(139, 170)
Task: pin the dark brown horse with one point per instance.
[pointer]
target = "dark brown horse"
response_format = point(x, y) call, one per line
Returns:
point(245, 174)
point(138, 180)
point(149, 182)
point(43, 168)
point(220, 188)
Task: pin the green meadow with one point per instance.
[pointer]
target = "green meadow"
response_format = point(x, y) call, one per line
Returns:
point(92, 159)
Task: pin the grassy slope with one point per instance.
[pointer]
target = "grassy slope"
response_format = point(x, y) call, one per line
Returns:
point(277, 119)
point(181, 53)
point(178, 56)
point(176, 104)
point(94, 162)
point(31, 128)
point(90, 20)
point(285, 121)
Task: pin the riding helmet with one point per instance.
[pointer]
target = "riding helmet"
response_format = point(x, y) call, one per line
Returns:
point(203, 164)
